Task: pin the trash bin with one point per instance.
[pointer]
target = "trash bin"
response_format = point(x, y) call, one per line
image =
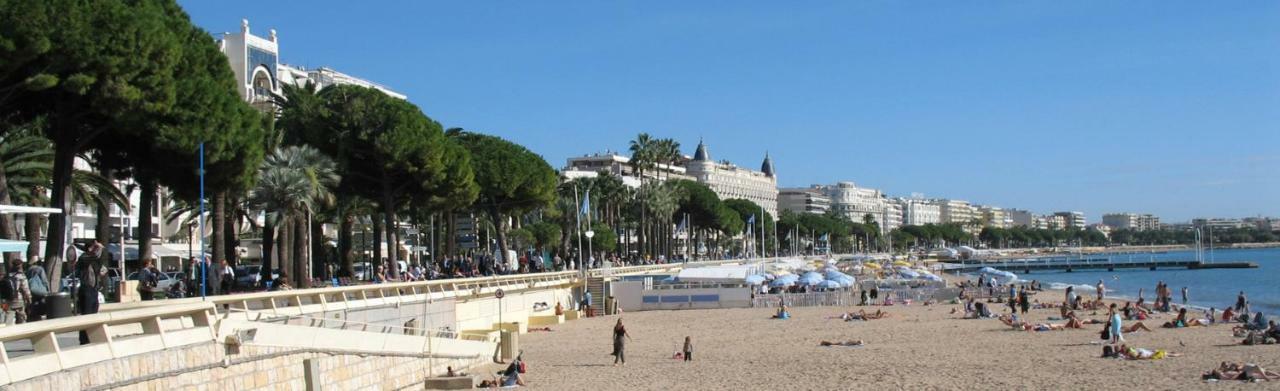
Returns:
point(58, 305)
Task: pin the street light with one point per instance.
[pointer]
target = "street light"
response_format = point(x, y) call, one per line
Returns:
point(590, 256)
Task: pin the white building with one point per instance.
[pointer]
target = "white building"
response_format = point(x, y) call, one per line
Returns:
point(588, 166)
point(1022, 218)
point(920, 211)
point(804, 200)
point(255, 61)
point(856, 203)
point(729, 181)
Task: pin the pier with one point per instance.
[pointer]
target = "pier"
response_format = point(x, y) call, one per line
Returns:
point(1073, 264)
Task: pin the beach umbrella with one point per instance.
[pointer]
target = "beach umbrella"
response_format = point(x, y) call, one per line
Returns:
point(781, 283)
point(754, 279)
point(829, 284)
point(810, 278)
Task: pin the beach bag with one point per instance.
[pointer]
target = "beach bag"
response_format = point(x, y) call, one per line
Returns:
point(39, 287)
point(1106, 333)
point(521, 367)
point(1108, 352)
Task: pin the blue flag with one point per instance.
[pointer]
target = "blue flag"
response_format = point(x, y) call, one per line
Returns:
point(586, 204)
point(823, 237)
point(751, 220)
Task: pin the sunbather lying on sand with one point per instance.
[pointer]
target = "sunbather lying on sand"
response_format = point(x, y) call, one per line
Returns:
point(1247, 372)
point(1145, 354)
point(845, 343)
point(1027, 326)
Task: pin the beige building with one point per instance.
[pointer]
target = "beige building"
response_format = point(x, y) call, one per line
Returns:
point(995, 217)
point(1072, 219)
point(804, 200)
point(729, 181)
point(958, 212)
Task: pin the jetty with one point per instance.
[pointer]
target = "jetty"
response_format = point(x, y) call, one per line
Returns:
point(1073, 264)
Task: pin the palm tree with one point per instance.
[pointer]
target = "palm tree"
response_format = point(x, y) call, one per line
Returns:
point(293, 181)
point(26, 169)
point(642, 154)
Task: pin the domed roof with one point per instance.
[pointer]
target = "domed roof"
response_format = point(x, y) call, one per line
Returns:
point(767, 166)
point(701, 153)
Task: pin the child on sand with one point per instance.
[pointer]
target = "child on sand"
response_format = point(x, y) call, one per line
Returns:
point(688, 348)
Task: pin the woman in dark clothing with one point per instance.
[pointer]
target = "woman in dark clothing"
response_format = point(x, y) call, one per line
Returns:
point(619, 345)
point(1022, 301)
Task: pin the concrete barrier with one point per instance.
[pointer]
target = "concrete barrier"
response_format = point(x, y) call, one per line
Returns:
point(450, 383)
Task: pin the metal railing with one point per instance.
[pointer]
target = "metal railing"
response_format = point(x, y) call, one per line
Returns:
point(810, 299)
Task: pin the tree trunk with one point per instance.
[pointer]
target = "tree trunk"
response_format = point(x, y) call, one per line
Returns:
point(146, 200)
point(393, 245)
point(320, 259)
point(377, 243)
point(451, 235)
point(63, 162)
point(284, 246)
point(34, 221)
point(499, 225)
point(8, 226)
point(345, 226)
point(218, 240)
point(268, 245)
point(301, 259)
point(231, 231)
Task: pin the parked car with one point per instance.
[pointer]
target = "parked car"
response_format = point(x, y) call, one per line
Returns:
point(248, 277)
point(163, 280)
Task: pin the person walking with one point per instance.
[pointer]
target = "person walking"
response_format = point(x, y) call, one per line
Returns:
point(1184, 296)
point(17, 293)
point(1022, 300)
point(226, 276)
point(38, 280)
point(1102, 290)
point(586, 303)
point(92, 275)
point(688, 349)
point(620, 338)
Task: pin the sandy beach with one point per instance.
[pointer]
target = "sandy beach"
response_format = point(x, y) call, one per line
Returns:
point(918, 347)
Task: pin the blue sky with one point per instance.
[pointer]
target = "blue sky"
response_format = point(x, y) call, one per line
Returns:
point(1170, 108)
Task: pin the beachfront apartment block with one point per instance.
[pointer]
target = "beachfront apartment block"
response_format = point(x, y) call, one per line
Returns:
point(619, 165)
point(1133, 221)
point(856, 203)
point(920, 211)
point(995, 217)
point(958, 212)
point(803, 200)
point(1071, 219)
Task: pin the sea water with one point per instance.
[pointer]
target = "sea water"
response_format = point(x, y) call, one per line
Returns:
point(1205, 287)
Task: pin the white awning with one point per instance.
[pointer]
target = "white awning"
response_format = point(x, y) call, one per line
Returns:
point(725, 274)
point(12, 209)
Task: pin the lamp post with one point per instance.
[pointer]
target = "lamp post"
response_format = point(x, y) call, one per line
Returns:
point(590, 234)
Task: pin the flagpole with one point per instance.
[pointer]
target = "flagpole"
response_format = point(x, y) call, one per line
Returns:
point(577, 221)
point(204, 267)
point(586, 209)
